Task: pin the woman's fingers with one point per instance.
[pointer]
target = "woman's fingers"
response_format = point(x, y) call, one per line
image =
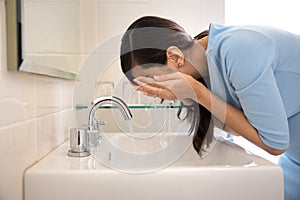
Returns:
point(146, 87)
point(153, 89)
point(144, 80)
point(170, 86)
point(167, 77)
point(180, 84)
point(141, 81)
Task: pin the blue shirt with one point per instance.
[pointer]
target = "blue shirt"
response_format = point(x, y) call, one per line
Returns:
point(257, 69)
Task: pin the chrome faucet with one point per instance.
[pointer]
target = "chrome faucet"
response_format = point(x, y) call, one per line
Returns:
point(82, 140)
point(92, 123)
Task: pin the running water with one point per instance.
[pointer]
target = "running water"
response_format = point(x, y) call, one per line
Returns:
point(135, 156)
point(131, 135)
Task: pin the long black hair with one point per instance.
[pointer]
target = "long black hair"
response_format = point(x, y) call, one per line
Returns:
point(161, 34)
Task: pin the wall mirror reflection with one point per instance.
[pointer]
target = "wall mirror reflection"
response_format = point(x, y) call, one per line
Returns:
point(44, 37)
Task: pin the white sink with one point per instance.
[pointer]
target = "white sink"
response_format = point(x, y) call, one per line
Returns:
point(226, 172)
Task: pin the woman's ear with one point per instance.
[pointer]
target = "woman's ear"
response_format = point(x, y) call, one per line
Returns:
point(175, 56)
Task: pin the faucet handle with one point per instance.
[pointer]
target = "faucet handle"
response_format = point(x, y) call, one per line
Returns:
point(78, 143)
point(93, 138)
point(100, 123)
point(96, 124)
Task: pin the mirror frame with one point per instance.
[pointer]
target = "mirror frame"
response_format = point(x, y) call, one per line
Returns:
point(14, 34)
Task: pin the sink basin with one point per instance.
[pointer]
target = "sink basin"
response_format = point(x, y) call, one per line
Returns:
point(226, 171)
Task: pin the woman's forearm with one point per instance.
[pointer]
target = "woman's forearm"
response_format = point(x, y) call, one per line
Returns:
point(230, 116)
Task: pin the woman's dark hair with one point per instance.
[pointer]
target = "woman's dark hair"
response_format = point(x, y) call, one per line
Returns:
point(149, 46)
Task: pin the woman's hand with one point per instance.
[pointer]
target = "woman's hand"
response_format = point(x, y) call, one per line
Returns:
point(170, 86)
point(151, 88)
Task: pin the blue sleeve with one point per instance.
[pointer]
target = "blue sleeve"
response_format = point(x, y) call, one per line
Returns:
point(250, 58)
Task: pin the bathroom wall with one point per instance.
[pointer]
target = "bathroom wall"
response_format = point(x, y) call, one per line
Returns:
point(35, 115)
point(35, 111)
point(280, 14)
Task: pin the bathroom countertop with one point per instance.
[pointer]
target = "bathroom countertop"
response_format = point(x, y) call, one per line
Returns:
point(223, 153)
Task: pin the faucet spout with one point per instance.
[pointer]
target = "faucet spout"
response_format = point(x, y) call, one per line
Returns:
point(103, 100)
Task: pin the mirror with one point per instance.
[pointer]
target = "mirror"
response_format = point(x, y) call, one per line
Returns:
point(48, 44)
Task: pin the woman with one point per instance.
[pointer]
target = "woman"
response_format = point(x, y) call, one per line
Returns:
point(252, 81)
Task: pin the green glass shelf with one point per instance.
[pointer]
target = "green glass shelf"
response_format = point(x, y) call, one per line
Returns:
point(78, 107)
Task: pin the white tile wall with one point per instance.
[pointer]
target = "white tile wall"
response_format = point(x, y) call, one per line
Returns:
point(35, 111)
point(35, 116)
